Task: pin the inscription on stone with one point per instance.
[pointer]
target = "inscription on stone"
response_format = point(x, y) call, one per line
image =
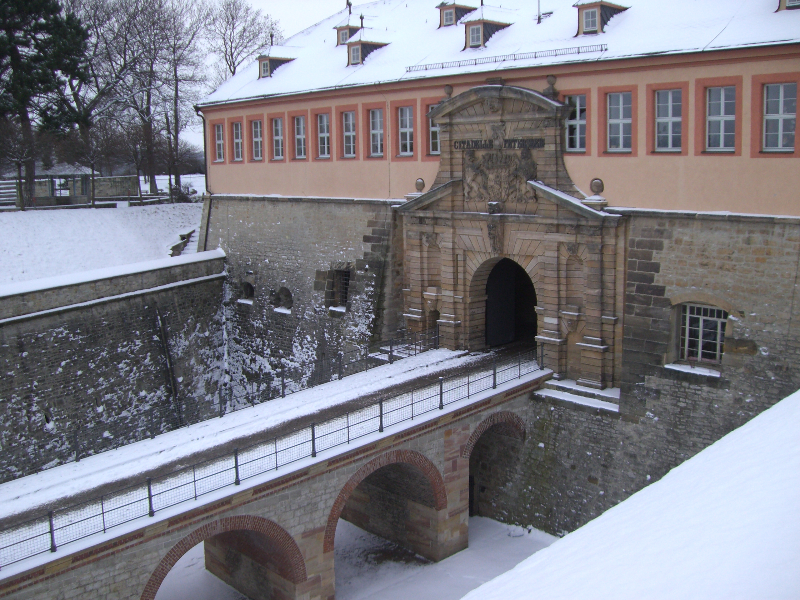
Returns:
point(510, 144)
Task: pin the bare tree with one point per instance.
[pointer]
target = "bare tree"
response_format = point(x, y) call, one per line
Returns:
point(238, 32)
point(184, 69)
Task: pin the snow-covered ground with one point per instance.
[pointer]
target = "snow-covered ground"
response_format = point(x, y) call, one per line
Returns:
point(371, 568)
point(195, 181)
point(44, 243)
point(724, 525)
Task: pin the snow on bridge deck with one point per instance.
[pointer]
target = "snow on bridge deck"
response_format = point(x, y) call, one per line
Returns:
point(78, 525)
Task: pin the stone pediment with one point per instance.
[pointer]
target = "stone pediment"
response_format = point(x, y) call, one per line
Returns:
point(495, 139)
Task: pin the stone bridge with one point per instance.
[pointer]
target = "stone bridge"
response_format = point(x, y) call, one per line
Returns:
point(273, 536)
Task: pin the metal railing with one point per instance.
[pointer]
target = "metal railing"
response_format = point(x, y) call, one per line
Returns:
point(470, 62)
point(48, 532)
point(88, 439)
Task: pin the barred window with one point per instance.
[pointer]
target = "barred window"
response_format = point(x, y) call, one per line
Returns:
point(702, 333)
point(341, 287)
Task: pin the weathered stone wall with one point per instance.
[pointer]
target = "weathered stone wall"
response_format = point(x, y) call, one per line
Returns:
point(294, 246)
point(122, 185)
point(85, 369)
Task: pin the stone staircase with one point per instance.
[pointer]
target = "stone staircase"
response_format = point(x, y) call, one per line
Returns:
point(567, 392)
point(8, 193)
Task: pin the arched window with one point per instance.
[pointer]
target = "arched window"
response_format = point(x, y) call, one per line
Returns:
point(702, 336)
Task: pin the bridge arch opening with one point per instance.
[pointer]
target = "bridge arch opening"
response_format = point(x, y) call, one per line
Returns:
point(494, 451)
point(253, 555)
point(398, 496)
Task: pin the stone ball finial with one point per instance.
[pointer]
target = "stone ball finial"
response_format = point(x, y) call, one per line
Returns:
point(420, 184)
point(448, 90)
point(597, 186)
point(551, 80)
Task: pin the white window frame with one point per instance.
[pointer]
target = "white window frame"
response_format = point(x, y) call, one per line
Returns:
point(355, 54)
point(258, 139)
point(237, 140)
point(344, 35)
point(349, 134)
point(785, 120)
point(451, 14)
point(721, 120)
point(376, 132)
point(475, 42)
point(590, 18)
point(405, 127)
point(669, 121)
point(792, 3)
point(576, 127)
point(300, 136)
point(264, 68)
point(277, 138)
point(324, 135)
point(434, 139)
point(616, 124)
point(219, 142)
point(702, 333)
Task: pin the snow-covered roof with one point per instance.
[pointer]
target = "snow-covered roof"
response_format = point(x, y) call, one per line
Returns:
point(491, 13)
point(412, 26)
point(722, 525)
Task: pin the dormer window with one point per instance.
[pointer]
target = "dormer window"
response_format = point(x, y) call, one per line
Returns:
point(449, 17)
point(268, 64)
point(451, 12)
point(590, 20)
point(593, 16)
point(345, 32)
point(355, 55)
point(475, 37)
point(792, 3)
point(344, 35)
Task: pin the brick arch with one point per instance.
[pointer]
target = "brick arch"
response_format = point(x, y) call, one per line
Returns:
point(293, 565)
point(512, 422)
point(409, 457)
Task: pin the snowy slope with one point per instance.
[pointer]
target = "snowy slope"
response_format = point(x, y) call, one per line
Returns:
point(723, 525)
point(411, 28)
point(45, 243)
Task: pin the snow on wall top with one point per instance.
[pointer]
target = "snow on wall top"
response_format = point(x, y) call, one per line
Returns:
point(722, 525)
point(412, 29)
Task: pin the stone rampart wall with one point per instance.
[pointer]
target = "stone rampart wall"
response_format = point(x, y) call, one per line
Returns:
point(281, 248)
point(88, 371)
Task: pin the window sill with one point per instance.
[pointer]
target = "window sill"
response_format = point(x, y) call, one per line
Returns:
point(673, 152)
point(300, 158)
point(576, 151)
point(777, 151)
point(405, 156)
point(323, 158)
point(618, 152)
point(219, 162)
point(348, 157)
point(237, 160)
point(692, 370)
point(377, 156)
point(729, 151)
point(252, 160)
point(277, 159)
point(247, 301)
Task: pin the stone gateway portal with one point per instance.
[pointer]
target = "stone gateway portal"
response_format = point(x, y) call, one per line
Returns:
point(510, 305)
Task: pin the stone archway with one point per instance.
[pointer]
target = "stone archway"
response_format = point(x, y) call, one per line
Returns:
point(493, 450)
point(396, 463)
point(257, 538)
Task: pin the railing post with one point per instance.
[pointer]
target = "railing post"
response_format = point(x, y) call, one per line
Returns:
point(380, 423)
point(283, 382)
point(77, 447)
point(340, 365)
point(313, 440)
point(194, 481)
point(494, 373)
point(391, 351)
point(53, 547)
point(348, 427)
point(151, 512)
point(103, 513)
point(436, 339)
point(441, 393)
point(236, 480)
point(519, 365)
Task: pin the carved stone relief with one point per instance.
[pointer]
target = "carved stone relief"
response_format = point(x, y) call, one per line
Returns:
point(499, 176)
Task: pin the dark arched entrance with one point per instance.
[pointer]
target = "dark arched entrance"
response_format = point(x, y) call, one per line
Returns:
point(510, 305)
